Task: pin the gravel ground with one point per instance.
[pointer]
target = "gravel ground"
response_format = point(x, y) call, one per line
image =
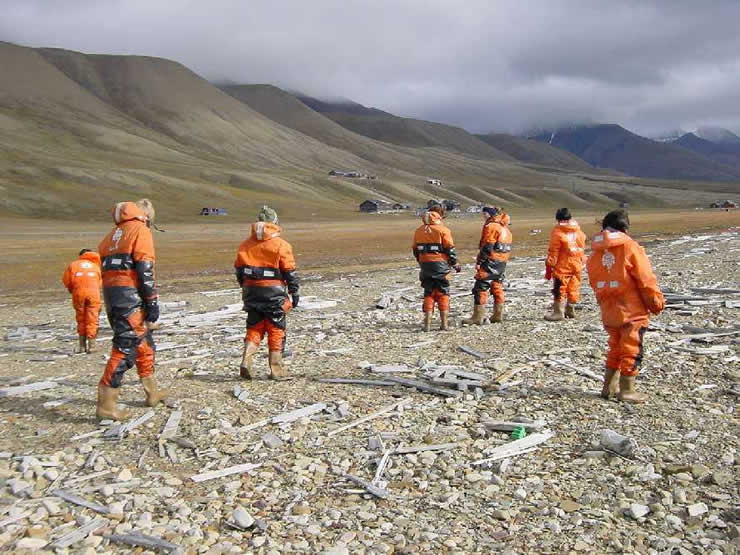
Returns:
point(677, 492)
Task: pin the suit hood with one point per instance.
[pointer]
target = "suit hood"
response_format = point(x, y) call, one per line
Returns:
point(126, 211)
point(569, 225)
point(262, 231)
point(431, 218)
point(91, 257)
point(608, 238)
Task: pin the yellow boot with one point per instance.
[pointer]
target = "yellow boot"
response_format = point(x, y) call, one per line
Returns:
point(246, 368)
point(154, 396)
point(82, 345)
point(558, 312)
point(478, 317)
point(90, 345)
point(427, 321)
point(498, 313)
point(106, 408)
point(570, 310)
point(611, 383)
point(627, 391)
point(277, 371)
point(444, 320)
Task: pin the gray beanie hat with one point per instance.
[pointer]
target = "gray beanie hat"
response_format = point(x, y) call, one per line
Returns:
point(267, 214)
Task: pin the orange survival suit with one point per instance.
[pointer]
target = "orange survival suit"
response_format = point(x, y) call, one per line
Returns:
point(623, 281)
point(265, 267)
point(565, 259)
point(495, 250)
point(82, 279)
point(434, 250)
point(130, 293)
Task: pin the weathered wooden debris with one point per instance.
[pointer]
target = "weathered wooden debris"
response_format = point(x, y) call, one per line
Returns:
point(425, 386)
point(517, 447)
point(118, 431)
point(77, 535)
point(371, 416)
point(472, 352)
point(141, 540)
point(580, 371)
point(77, 500)
point(28, 388)
point(508, 374)
point(390, 297)
point(238, 469)
point(421, 448)
point(355, 381)
point(389, 369)
point(370, 488)
point(382, 464)
point(16, 518)
point(170, 427)
point(298, 413)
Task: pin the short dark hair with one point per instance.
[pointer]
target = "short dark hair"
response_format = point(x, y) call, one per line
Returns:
point(83, 251)
point(436, 207)
point(491, 210)
point(616, 219)
point(562, 214)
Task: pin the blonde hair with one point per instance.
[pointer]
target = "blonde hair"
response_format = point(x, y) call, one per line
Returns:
point(147, 207)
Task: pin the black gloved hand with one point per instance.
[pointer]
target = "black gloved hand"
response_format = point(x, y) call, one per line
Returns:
point(458, 268)
point(295, 299)
point(152, 311)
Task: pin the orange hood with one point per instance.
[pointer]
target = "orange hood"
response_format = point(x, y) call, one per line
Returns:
point(501, 218)
point(431, 218)
point(91, 257)
point(125, 211)
point(262, 231)
point(607, 239)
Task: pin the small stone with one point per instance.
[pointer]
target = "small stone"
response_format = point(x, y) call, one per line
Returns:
point(258, 541)
point(638, 511)
point(301, 509)
point(107, 490)
point(51, 474)
point(18, 486)
point(674, 522)
point(697, 509)
point(271, 440)
point(164, 491)
point(38, 532)
point(722, 477)
point(313, 530)
point(501, 514)
point(474, 477)
point(31, 544)
point(242, 518)
point(570, 506)
point(51, 507)
point(125, 475)
point(93, 541)
point(520, 493)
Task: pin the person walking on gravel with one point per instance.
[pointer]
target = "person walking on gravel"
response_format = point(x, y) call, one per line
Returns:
point(495, 250)
point(131, 302)
point(565, 258)
point(434, 250)
point(627, 290)
point(266, 271)
point(83, 280)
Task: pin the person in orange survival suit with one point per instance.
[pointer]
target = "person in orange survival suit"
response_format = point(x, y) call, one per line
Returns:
point(434, 250)
point(495, 250)
point(564, 264)
point(131, 302)
point(265, 268)
point(627, 290)
point(82, 279)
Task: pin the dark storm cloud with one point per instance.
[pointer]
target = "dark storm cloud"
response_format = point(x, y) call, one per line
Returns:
point(481, 64)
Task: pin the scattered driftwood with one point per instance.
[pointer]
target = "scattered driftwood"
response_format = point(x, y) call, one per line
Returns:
point(518, 447)
point(391, 297)
point(371, 416)
point(28, 388)
point(77, 535)
point(355, 381)
point(389, 369)
point(508, 374)
point(140, 540)
point(298, 413)
point(421, 448)
point(119, 431)
point(370, 488)
point(238, 469)
point(16, 518)
point(425, 386)
point(504, 426)
point(170, 427)
point(77, 500)
point(581, 371)
point(471, 352)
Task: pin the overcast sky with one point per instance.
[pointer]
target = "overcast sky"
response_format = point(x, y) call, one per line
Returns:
point(485, 65)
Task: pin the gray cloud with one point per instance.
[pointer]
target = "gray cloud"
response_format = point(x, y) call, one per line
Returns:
point(482, 64)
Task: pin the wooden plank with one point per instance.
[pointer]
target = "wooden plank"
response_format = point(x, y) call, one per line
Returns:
point(516, 447)
point(355, 381)
point(389, 369)
point(456, 383)
point(77, 500)
point(421, 448)
point(118, 432)
point(88, 434)
point(508, 374)
point(582, 372)
point(238, 469)
point(461, 373)
point(472, 352)
point(170, 427)
point(377, 413)
point(28, 388)
point(370, 488)
point(12, 519)
point(77, 535)
point(503, 456)
point(298, 413)
point(390, 297)
point(425, 386)
point(504, 426)
point(141, 540)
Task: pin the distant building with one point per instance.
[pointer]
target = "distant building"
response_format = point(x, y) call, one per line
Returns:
point(432, 181)
point(213, 212)
point(474, 209)
point(726, 204)
point(375, 205)
point(400, 206)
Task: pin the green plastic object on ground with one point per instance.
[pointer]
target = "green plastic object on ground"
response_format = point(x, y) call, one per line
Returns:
point(519, 432)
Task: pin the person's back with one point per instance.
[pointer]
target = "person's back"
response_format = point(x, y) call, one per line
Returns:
point(626, 288)
point(82, 278)
point(564, 264)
